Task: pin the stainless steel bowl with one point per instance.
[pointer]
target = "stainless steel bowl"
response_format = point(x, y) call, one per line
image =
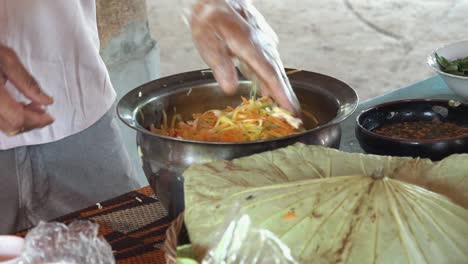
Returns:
point(164, 159)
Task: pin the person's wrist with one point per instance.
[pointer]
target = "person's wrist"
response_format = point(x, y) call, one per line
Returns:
point(205, 8)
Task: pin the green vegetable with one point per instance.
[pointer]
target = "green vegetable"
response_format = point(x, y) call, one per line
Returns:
point(186, 261)
point(457, 67)
point(330, 206)
point(185, 255)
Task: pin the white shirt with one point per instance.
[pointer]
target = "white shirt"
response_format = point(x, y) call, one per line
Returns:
point(58, 42)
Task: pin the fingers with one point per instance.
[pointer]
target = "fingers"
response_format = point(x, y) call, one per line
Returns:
point(11, 112)
point(282, 93)
point(2, 78)
point(3, 125)
point(217, 57)
point(264, 90)
point(14, 71)
point(269, 74)
point(35, 117)
point(220, 32)
point(34, 107)
point(16, 117)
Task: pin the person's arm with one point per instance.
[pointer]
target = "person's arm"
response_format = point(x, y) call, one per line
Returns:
point(16, 117)
point(224, 30)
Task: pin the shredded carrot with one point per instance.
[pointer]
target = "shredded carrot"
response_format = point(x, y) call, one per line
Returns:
point(252, 120)
point(290, 215)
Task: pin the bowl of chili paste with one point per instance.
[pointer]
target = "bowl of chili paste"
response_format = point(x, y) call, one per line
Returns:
point(426, 128)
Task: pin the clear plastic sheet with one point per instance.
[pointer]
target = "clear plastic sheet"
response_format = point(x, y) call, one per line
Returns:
point(241, 242)
point(59, 244)
point(238, 241)
point(272, 80)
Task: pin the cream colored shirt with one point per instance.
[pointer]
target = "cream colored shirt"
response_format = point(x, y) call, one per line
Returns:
point(58, 42)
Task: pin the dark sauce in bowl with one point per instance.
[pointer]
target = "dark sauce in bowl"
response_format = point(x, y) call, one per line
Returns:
point(422, 130)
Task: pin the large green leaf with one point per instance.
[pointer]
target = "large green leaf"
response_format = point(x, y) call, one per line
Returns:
point(351, 208)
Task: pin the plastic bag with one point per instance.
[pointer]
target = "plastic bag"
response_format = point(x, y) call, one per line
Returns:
point(58, 243)
point(243, 243)
point(238, 241)
point(261, 38)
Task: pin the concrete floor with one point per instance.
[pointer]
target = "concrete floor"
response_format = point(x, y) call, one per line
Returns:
point(375, 46)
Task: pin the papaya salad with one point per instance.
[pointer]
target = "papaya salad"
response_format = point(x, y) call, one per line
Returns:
point(252, 120)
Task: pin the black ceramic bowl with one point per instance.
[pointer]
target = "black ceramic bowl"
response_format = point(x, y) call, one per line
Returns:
point(407, 111)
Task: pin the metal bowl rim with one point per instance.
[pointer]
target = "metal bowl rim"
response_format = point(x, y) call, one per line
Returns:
point(401, 140)
point(333, 122)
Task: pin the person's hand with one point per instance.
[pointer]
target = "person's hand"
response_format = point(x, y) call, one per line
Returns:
point(224, 30)
point(17, 117)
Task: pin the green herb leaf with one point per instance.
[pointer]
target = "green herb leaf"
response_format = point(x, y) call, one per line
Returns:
point(442, 61)
point(456, 67)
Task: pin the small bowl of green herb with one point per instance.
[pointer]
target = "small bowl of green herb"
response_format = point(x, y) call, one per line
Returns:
point(451, 63)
